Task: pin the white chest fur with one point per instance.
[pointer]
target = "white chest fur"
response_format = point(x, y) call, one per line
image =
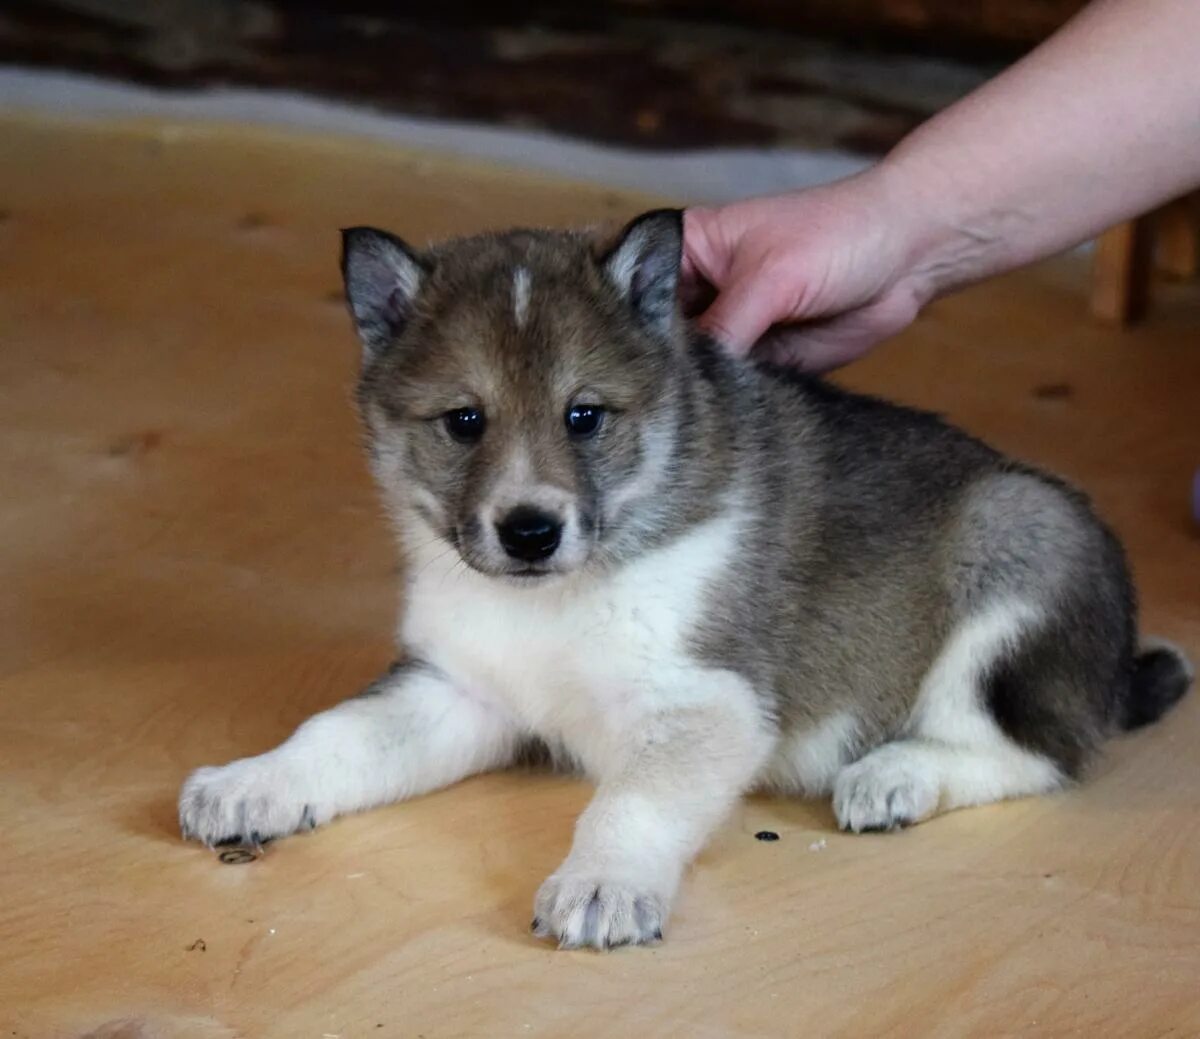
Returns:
point(575, 659)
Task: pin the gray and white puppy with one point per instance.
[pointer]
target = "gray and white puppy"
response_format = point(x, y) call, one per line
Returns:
point(687, 576)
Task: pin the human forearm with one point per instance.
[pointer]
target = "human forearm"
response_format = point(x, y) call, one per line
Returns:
point(1100, 123)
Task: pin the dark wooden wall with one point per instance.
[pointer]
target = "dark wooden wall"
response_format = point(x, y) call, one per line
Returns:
point(853, 74)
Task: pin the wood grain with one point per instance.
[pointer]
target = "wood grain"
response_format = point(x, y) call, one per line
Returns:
point(192, 561)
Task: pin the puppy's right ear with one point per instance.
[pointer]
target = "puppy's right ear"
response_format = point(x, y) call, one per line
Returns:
point(644, 266)
point(382, 276)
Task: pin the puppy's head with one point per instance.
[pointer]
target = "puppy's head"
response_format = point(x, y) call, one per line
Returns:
point(519, 391)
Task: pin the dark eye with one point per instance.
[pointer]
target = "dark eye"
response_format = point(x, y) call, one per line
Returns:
point(466, 425)
point(584, 419)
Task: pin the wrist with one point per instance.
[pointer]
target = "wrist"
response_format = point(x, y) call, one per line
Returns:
point(952, 234)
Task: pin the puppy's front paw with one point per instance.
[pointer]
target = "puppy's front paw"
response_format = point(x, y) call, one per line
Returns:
point(888, 789)
point(583, 909)
point(245, 802)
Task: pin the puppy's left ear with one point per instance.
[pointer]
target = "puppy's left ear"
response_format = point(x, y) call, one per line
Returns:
point(644, 266)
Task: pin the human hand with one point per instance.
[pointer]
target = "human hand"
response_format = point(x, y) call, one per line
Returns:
point(813, 279)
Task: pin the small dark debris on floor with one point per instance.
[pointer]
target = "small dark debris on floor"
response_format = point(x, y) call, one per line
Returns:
point(199, 945)
point(136, 443)
point(253, 221)
point(1053, 391)
point(337, 296)
point(766, 835)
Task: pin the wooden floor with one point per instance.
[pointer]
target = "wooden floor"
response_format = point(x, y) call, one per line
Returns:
point(192, 561)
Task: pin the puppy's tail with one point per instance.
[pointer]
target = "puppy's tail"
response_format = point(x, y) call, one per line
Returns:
point(1161, 675)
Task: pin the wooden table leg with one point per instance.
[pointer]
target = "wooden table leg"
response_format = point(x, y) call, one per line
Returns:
point(1121, 272)
point(1177, 238)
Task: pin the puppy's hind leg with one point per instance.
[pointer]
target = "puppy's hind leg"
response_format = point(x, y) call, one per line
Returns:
point(953, 752)
point(409, 732)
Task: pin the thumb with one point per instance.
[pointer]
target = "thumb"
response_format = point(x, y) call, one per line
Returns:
point(740, 314)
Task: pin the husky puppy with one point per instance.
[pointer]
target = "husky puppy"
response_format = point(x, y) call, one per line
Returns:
point(687, 576)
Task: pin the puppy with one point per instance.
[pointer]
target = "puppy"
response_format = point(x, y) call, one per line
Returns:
point(687, 576)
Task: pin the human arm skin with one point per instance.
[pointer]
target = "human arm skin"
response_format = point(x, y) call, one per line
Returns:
point(1099, 123)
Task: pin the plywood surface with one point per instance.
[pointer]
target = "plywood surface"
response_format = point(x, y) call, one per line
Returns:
point(191, 562)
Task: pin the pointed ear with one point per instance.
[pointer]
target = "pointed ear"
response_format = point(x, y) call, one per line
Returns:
point(644, 266)
point(382, 276)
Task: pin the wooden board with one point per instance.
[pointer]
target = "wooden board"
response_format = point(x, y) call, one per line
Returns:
point(192, 561)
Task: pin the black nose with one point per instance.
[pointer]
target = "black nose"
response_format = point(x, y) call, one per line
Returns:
point(528, 534)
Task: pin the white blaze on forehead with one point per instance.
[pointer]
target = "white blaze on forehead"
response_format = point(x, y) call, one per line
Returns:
point(520, 295)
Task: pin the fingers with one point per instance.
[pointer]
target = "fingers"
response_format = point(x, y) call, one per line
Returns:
point(811, 351)
point(735, 299)
point(811, 308)
point(822, 346)
point(740, 314)
point(695, 294)
point(697, 280)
